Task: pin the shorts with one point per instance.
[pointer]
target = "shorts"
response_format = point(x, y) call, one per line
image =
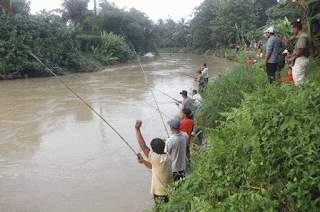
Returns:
point(299, 70)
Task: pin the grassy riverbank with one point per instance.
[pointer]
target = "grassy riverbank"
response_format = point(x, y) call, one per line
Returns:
point(264, 146)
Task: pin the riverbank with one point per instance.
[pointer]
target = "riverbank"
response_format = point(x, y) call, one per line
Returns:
point(264, 146)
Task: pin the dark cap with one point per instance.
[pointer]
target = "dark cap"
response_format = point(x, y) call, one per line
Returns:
point(184, 92)
point(175, 123)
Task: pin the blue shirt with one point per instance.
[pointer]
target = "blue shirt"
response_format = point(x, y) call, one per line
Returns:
point(274, 45)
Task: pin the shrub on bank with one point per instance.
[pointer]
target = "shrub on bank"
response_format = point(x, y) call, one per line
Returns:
point(264, 156)
point(53, 43)
point(227, 92)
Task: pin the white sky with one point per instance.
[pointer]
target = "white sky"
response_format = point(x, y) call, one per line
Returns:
point(155, 9)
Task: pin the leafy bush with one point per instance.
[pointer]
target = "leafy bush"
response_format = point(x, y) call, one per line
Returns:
point(51, 42)
point(227, 92)
point(87, 41)
point(113, 48)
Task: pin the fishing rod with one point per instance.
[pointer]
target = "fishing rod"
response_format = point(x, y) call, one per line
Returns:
point(137, 154)
point(157, 109)
point(146, 79)
point(161, 92)
point(185, 74)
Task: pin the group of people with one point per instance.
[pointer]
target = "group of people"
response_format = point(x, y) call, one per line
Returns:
point(277, 53)
point(170, 159)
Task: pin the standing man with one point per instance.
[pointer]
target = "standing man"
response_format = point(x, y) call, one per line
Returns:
point(160, 163)
point(196, 99)
point(301, 53)
point(274, 47)
point(186, 102)
point(176, 146)
point(206, 73)
point(201, 81)
point(186, 125)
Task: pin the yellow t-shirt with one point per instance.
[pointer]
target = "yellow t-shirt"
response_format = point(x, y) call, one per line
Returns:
point(161, 172)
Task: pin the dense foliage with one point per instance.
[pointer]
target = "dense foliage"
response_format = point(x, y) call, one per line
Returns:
point(264, 156)
point(53, 43)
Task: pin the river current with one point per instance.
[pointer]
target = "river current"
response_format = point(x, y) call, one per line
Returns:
point(58, 155)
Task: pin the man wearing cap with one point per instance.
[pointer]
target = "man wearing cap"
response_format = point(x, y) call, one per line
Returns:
point(274, 47)
point(186, 102)
point(301, 53)
point(176, 146)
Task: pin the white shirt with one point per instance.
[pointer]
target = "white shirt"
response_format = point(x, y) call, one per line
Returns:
point(206, 72)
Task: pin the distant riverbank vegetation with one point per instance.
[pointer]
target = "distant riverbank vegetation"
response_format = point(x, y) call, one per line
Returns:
point(74, 38)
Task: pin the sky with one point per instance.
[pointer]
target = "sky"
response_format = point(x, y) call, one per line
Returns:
point(155, 9)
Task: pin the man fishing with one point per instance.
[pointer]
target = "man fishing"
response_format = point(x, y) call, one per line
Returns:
point(160, 163)
point(186, 102)
point(206, 73)
point(196, 100)
point(176, 146)
point(201, 81)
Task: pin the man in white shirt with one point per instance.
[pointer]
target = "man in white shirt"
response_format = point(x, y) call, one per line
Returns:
point(206, 73)
point(196, 99)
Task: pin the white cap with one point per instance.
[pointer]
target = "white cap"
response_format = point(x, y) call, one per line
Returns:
point(270, 29)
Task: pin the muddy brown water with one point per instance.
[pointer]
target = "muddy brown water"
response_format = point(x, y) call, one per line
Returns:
point(57, 155)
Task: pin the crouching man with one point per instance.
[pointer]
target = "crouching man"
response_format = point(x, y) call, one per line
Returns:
point(160, 163)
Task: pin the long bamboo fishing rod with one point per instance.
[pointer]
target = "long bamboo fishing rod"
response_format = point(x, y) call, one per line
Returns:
point(146, 79)
point(157, 109)
point(185, 74)
point(87, 105)
point(161, 92)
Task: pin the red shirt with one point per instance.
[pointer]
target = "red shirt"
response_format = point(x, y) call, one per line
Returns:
point(186, 125)
point(249, 62)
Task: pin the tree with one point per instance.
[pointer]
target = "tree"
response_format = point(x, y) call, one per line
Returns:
point(95, 7)
point(200, 24)
point(20, 7)
point(233, 19)
point(260, 9)
point(75, 10)
point(5, 6)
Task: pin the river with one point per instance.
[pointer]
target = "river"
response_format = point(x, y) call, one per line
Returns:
point(57, 155)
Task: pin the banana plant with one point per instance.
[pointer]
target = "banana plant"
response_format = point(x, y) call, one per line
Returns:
point(284, 29)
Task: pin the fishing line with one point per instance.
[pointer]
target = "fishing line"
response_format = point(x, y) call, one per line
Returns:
point(87, 105)
point(146, 79)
